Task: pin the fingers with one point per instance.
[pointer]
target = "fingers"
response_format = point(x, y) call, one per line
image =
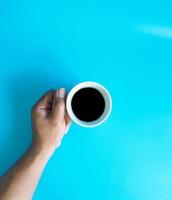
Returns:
point(44, 103)
point(52, 103)
point(46, 99)
point(58, 107)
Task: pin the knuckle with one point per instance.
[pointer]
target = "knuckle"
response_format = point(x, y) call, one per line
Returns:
point(34, 109)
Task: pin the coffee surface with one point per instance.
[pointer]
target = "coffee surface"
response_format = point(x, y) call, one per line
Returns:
point(88, 104)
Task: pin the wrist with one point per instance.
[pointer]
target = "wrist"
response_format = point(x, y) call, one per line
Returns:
point(40, 151)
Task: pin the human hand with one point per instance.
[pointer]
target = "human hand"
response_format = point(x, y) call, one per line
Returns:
point(50, 121)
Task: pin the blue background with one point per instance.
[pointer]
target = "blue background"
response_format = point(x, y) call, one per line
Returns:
point(124, 45)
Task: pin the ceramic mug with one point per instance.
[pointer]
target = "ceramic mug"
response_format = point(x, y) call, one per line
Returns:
point(107, 99)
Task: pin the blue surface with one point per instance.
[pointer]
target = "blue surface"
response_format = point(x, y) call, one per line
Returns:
point(124, 45)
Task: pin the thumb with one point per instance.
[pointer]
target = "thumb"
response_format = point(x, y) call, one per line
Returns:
point(58, 107)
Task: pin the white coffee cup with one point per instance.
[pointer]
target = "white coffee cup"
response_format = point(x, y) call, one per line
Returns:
point(104, 93)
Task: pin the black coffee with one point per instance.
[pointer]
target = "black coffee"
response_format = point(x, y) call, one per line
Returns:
point(88, 104)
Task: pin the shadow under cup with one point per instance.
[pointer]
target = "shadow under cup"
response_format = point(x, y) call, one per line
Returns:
point(103, 93)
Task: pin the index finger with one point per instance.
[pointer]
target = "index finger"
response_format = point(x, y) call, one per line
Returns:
point(46, 100)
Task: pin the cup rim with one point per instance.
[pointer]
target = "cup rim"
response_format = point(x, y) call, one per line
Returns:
point(104, 93)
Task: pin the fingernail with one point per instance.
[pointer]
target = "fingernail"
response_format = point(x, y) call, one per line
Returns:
point(61, 93)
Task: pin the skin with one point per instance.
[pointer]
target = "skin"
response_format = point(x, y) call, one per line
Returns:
point(50, 122)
